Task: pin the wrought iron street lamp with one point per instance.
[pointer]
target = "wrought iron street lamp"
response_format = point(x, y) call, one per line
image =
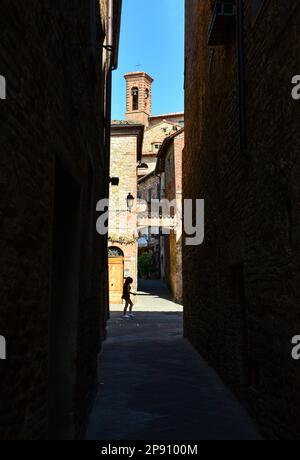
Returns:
point(130, 202)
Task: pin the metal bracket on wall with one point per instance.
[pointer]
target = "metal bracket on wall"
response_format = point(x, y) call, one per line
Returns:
point(108, 48)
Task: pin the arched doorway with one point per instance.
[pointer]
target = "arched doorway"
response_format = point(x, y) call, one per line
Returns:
point(116, 274)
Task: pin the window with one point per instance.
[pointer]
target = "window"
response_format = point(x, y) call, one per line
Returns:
point(115, 252)
point(156, 146)
point(158, 191)
point(223, 24)
point(147, 98)
point(135, 98)
point(256, 7)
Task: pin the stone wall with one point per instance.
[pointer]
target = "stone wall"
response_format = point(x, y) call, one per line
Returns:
point(173, 242)
point(241, 287)
point(150, 181)
point(51, 175)
point(121, 222)
point(156, 134)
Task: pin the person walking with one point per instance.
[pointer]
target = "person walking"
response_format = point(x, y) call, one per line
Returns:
point(126, 296)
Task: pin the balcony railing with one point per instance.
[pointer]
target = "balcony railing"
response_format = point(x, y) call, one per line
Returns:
point(165, 222)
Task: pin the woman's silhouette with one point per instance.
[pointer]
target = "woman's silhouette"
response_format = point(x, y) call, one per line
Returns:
point(126, 296)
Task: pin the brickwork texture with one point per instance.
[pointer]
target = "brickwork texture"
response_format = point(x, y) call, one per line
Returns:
point(51, 174)
point(242, 286)
point(123, 224)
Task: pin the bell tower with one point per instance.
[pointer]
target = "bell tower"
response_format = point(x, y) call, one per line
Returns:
point(138, 97)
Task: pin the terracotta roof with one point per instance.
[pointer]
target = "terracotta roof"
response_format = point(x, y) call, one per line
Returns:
point(152, 173)
point(125, 123)
point(133, 74)
point(174, 114)
point(160, 122)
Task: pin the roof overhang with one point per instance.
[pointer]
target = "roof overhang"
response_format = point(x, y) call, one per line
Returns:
point(147, 176)
point(163, 150)
point(117, 8)
point(129, 75)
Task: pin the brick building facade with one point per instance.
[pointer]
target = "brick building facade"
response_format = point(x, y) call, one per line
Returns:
point(52, 172)
point(169, 169)
point(157, 127)
point(241, 287)
point(148, 190)
point(126, 151)
point(154, 137)
point(135, 143)
point(165, 183)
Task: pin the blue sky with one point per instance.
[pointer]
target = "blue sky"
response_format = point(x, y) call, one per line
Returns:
point(152, 40)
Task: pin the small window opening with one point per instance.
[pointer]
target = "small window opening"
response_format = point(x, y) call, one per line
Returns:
point(135, 98)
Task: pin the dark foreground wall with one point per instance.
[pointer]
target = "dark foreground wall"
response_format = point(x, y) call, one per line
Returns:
point(51, 173)
point(242, 286)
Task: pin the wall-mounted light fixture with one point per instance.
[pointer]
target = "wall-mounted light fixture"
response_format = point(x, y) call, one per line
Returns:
point(114, 181)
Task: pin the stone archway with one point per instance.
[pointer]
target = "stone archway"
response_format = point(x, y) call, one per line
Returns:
point(116, 274)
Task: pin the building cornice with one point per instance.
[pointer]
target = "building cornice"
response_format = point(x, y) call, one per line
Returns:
point(128, 129)
point(116, 32)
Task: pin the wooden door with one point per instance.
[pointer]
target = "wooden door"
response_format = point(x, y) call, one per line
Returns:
point(116, 279)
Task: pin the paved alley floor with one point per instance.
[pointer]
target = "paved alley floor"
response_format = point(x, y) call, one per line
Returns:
point(154, 386)
point(152, 296)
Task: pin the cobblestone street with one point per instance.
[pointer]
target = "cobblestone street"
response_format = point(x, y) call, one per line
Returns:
point(153, 385)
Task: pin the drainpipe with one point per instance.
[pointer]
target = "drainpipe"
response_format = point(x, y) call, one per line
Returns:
point(242, 79)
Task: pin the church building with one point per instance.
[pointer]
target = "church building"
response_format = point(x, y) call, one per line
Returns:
point(157, 127)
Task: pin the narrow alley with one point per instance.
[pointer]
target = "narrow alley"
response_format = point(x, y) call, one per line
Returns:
point(153, 385)
point(149, 221)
